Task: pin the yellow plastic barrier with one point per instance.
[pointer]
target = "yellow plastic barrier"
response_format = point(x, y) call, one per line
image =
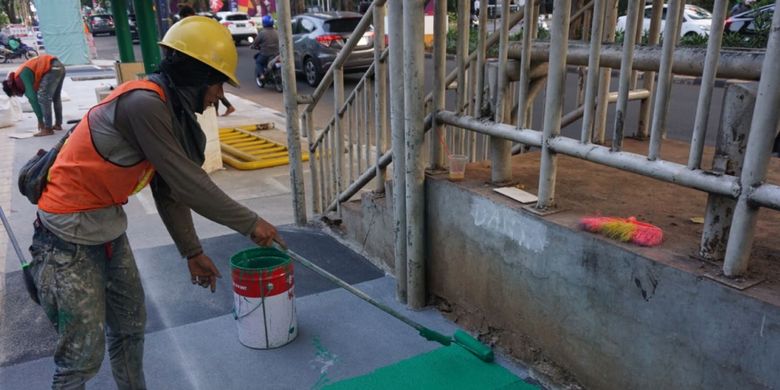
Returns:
point(244, 150)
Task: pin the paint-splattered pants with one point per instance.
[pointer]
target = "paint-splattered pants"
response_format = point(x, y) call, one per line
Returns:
point(82, 289)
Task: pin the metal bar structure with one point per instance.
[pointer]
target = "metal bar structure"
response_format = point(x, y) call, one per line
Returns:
point(626, 69)
point(147, 34)
point(395, 21)
point(762, 133)
point(291, 109)
point(437, 146)
point(380, 95)
point(559, 37)
point(525, 66)
point(605, 78)
point(707, 84)
point(593, 72)
point(500, 149)
point(362, 110)
point(653, 37)
point(663, 93)
point(414, 84)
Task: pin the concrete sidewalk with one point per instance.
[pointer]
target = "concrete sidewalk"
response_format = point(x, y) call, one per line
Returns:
point(191, 334)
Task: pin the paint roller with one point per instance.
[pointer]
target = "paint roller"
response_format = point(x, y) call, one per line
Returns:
point(460, 337)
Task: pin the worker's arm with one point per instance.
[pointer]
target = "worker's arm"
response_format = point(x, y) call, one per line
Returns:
point(177, 218)
point(152, 133)
point(28, 78)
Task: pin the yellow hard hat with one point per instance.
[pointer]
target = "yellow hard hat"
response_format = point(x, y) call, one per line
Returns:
point(207, 41)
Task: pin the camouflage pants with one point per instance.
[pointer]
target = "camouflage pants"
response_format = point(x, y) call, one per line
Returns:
point(82, 289)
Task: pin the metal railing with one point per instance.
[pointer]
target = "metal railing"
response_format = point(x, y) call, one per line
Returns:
point(490, 113)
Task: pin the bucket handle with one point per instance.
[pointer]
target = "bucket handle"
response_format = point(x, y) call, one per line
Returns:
point(236, 303)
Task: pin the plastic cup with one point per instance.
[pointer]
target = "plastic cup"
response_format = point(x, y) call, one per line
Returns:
point(457, 167)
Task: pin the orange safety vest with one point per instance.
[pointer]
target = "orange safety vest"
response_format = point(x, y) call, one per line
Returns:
point(82, 180)
point(38, 65)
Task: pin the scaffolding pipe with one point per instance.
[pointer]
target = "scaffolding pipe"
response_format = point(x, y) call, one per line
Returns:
point(596, 32)
point(766, 195)
point(481, 54)
point(707, 84)
point(626, 70)
point(525, 67)
point(559, 37)
point(122, 27)
point(688, 61)
point(396, 28)
point(308, 128)
point(439, 89)
point(414, 84)
point(605, 78)
point(762, 133)
point(501, 149)
point(664, 91)
point(380, 92)
point(653, 37)
point(461, 60)
point(291, 109)
point(661, 170)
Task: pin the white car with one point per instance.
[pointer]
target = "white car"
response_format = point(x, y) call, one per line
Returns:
point(696, 21)
point(239, 24)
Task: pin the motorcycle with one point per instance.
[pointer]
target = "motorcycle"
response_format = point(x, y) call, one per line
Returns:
point(271, 75)
point(14, 49)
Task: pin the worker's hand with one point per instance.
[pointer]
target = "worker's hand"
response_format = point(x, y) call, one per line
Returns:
point(265, 234)
point(203, 272)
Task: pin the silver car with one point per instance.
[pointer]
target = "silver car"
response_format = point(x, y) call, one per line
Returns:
point(318, 38)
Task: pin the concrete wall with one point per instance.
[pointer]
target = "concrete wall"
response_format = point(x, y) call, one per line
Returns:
point(613, 318)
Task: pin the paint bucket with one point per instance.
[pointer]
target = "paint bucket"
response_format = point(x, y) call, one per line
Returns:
point(263, 297)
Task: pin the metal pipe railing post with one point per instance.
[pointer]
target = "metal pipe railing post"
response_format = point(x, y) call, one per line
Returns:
point(146, 23)
point(414, 84)
point(291, 109)
point(605, 78)
point(626, 69)
point(653, 37)
point(554, 102)
point(671, 32)
point(308, 125)
point(738, 105)
point(461, 62)
point(396, 58)
point(437, 159)
point(559, 38)
point(481, 54)
point(501, 149)
point(591, 86)
point(525, 66)
point(380, 92)
point(338, 144)
point(762, 133)
point(707, 84)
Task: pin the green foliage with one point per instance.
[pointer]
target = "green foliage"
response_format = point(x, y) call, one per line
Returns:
point(694, 40)
point(3, 19)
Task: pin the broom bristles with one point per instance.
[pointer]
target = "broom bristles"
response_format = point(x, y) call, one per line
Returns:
point(624, 229)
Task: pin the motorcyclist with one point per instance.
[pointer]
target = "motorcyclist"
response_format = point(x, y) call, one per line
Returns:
point(267, 42)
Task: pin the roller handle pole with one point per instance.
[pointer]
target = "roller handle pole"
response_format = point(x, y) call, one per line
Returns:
point(360, 294)
point(11, 236)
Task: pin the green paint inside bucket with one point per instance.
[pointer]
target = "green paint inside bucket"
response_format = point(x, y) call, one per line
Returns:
point(255, 259)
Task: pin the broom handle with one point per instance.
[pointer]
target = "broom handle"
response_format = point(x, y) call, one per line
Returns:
point(13, 239)
point(360, 294)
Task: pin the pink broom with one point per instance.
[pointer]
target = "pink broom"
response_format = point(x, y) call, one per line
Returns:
point(624, 229)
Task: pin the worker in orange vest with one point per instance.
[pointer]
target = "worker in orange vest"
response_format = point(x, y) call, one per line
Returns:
point(145, 131)
point(40, 80)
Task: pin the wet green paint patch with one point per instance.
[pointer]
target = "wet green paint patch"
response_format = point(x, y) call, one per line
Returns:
point(446, 368)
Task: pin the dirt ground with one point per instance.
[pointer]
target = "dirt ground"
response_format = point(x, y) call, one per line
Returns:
point(589, 189)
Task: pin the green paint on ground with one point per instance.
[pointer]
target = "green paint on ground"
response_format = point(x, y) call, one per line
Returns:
point(446, 368)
